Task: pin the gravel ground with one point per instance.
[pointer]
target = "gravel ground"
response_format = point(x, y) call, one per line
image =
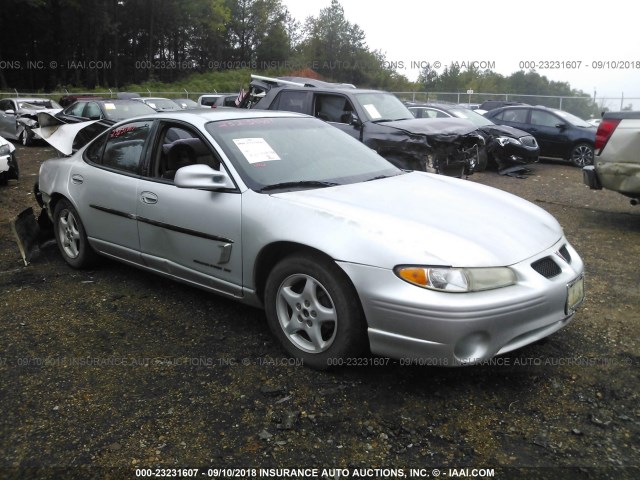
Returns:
point(107, 371)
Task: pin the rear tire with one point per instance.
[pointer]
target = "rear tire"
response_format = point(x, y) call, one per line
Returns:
point(71, 236)
point(314, 311)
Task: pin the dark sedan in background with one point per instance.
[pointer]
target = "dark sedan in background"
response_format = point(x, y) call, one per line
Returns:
point(506, 146)
point(559, 133)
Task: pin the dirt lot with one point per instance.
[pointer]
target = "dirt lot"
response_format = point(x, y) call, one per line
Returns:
point(106, 371)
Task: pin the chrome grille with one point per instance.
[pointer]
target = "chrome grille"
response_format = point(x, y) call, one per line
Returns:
point(546, 267)
point(529, 141)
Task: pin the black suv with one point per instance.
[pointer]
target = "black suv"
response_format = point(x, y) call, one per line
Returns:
point(378, 119)
point(559, 133)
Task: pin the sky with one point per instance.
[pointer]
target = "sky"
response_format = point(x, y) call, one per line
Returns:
point(592, 45)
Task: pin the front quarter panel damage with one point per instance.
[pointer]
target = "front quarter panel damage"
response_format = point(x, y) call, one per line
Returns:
point(445, 146)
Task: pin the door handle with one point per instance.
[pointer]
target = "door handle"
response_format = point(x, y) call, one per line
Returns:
point(149, 198)
point(77, 179)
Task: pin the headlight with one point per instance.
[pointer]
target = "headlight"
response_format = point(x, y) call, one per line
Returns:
point(506, 140)
point(5, 150)
point(446, 279)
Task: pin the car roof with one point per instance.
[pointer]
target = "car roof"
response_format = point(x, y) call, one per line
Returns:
point(443, 106)
point(206, 115)
point(310, 84)
point(29, 99)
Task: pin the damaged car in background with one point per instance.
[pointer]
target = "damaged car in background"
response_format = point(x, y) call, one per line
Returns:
point(448, 146)
point(282, 211)
point(72, 128)
point(19, 117)
point(506, 147)
point(8, 163)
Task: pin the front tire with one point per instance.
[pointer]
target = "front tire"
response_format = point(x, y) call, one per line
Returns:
point(71, 236)
point(582, 155)
point(27, 137)
point(314, 311)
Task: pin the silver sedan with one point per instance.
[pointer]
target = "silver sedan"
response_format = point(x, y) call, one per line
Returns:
point(346, 253)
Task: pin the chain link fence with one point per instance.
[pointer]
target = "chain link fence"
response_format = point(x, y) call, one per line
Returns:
point(583, 106)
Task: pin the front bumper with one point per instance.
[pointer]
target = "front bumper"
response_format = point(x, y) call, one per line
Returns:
point(510, 155)
point(408, 322)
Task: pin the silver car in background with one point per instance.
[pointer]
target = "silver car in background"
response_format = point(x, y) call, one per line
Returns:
point(19, 117)
point(345, 252)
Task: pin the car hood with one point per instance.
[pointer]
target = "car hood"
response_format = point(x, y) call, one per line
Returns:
point(442, 129)
point(503, 131)
point(418, 218)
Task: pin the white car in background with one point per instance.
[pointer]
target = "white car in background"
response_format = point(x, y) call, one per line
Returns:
point(8, 163)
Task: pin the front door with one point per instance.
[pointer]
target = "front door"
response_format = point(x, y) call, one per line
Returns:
point(192, 234)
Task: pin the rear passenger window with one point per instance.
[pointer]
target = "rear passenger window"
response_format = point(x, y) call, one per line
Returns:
point(518, 115)
point(292, 101)
point(124, 147)
point(543, 118)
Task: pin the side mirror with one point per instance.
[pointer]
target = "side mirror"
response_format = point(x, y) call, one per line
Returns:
point(203, 177)
point(561, 126)
point(10, 112)
point(355, 121)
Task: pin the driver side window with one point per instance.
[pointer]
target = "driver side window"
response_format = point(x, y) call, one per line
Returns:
point(180, 147)
point(333, 108)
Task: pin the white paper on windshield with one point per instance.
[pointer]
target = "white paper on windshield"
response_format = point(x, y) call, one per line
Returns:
point(372, 111)
point(109, 106)
point(256, 150)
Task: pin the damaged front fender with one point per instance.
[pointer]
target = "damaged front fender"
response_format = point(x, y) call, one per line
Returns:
point(446, 146)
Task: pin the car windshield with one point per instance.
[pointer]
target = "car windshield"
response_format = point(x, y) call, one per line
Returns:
point(578, 122)
point(380, 106)
point(288, 151)
point(117, 111)
point(475, 118)
point(38, 104)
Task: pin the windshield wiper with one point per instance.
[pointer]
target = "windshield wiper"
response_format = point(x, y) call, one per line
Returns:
point(298, 184)
point(379, 177)
point(380, 120)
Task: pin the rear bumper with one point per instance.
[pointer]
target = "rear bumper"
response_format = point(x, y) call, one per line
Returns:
point(619, 177)
point(590, 178)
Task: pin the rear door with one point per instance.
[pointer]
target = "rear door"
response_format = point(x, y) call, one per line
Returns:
point(104, 188)
point(550, 132)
